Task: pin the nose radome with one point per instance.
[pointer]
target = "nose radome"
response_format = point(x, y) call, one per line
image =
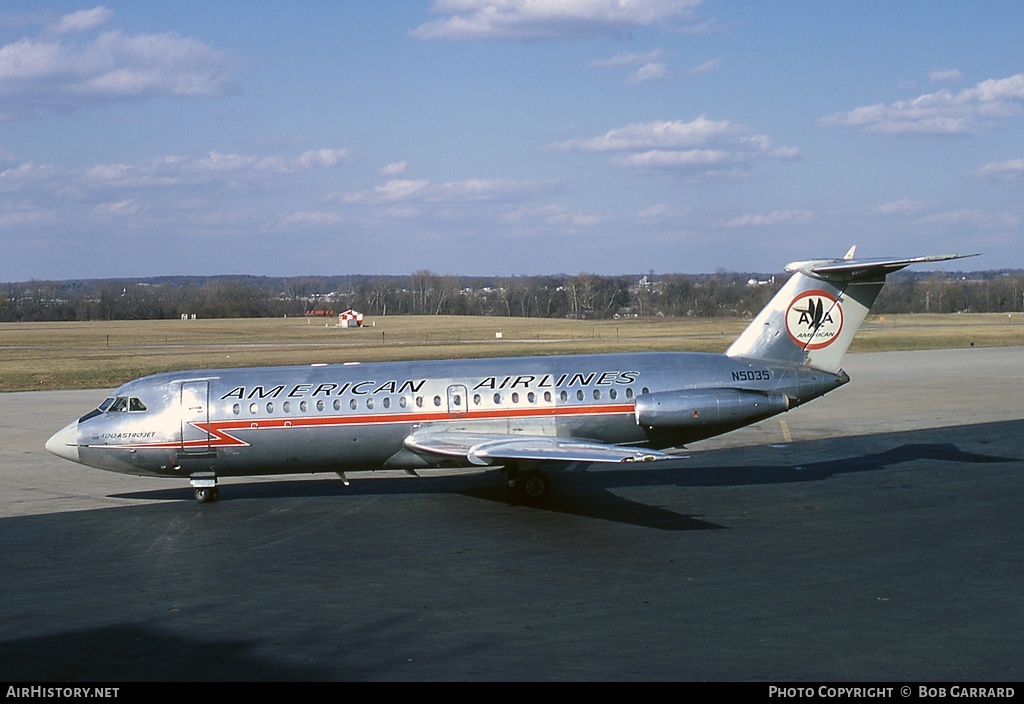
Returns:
point(64, 442)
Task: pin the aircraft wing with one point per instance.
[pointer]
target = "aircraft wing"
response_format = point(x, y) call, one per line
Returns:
point(486, 448)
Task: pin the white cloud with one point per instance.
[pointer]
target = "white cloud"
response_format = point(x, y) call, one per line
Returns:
point(18, 174)
point(25, 217)
point(311, 219)
point(553, 215)
point(391, 191)
point(651, 67)
point(396, 169)
point(707, 67)
point(424, 191)
point(655, 211)
point(942, 112)
point(323, 158)
point(973, 218)
point(81, 21)
point(70, 67)
point(124, 208)
point(904, 206)
point(627, 59)
point(533, 19)
point(209, 168)
point(945, 76)
point(1003, 170)
point(777, 217)
point(701, 145)
point(652, 71)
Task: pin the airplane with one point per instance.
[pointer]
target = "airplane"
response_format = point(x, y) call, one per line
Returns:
point(515, 414)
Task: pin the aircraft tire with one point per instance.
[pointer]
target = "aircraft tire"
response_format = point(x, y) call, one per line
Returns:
point(207, 495)
point(534, 486)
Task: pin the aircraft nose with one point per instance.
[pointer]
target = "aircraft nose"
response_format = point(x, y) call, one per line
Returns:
point(64, 442)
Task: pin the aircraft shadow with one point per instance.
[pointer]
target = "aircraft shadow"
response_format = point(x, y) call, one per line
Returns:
point(590, 493)
point(130, 652)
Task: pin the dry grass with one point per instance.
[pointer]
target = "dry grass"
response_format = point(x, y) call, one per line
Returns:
point(106, 354)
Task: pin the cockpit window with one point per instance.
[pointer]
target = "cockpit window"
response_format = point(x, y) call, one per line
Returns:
point(123, 404)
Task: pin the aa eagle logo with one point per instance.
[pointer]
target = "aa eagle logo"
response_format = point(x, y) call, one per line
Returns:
point(814, 319)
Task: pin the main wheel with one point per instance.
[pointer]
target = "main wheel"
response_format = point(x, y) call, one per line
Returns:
point(533, 486)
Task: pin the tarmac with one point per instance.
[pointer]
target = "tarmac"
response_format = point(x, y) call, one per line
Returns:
point(871, 535)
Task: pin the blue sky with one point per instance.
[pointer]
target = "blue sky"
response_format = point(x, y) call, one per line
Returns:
point(511, 137)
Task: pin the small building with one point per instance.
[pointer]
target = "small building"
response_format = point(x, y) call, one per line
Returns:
point(350, 319)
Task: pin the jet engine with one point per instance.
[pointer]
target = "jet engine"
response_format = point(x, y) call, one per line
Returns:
point(693, 414)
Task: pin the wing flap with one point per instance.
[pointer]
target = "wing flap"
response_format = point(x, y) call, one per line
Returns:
point(484, 449)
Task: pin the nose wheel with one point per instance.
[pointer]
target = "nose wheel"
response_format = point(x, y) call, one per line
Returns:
point(206, 495)
point(205, 486)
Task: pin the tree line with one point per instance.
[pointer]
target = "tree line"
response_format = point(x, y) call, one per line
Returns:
point(427, 293)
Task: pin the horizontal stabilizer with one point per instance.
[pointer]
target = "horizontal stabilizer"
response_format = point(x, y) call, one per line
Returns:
point(813, 318)
point(485, 448)
point(864, 269)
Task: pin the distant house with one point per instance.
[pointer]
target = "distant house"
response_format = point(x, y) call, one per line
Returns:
point(350, 319)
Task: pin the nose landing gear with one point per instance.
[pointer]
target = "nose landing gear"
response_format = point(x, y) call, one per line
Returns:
point(205, 485)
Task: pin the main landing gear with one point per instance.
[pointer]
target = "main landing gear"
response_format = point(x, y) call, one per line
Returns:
point(529, 485)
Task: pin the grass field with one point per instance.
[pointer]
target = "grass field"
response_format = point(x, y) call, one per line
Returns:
point(89, 355)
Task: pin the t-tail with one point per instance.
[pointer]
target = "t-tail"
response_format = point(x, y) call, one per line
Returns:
point(812, 320)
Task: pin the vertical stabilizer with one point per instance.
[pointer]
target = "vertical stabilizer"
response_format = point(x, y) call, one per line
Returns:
point(812, 320)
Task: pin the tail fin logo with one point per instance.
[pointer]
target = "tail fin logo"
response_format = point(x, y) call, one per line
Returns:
point(814, 319)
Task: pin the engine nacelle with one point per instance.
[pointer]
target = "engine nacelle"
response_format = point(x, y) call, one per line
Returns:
point(701, 408)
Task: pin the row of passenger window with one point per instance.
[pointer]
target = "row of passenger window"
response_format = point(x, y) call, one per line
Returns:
point(403, 402)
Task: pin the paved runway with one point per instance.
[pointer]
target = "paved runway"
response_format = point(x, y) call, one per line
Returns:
point(874, 534)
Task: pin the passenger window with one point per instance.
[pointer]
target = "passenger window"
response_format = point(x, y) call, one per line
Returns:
point(286, 406)
point(531, 397)
point(386, 402)
point(303, 406)
point(497, 399)
point(320, 405)
point(515, 398)
point(579, 395)
point(369, 403)
point(612, 394)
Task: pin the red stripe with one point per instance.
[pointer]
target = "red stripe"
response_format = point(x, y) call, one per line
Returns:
point(220, 432)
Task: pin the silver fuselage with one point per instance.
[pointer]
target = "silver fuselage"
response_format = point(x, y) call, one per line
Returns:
point(337, 418)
